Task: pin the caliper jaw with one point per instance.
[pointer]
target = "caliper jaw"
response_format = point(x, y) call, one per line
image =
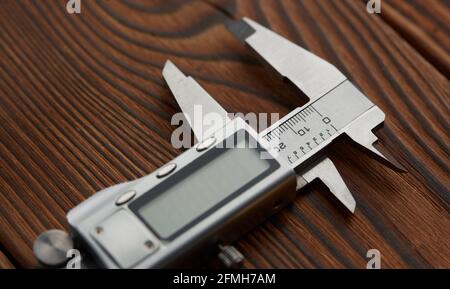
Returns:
point(325, 170)
point(310, 73)
point(315, 77)
point(361, 132)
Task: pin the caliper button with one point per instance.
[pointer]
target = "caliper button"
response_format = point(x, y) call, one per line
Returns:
point(125, 197)
point(206, 144)
point(166, 170)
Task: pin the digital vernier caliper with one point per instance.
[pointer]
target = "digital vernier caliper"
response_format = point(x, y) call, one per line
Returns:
point(212, 194)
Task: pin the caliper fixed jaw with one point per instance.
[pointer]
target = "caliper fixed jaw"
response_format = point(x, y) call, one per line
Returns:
point(311, 74)
point(316, 78)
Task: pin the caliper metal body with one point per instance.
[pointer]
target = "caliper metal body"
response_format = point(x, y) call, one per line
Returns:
point(209, 196)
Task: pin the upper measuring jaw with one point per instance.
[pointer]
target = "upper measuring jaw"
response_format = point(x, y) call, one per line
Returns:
point(310, 73)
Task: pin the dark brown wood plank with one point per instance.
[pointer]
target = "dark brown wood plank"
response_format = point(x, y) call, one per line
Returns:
point(83, 106)
point(425, 25)
point(4, 262)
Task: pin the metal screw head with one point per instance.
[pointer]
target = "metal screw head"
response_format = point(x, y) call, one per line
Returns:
point(50, 248)
point(149, 244)
point(98, 230)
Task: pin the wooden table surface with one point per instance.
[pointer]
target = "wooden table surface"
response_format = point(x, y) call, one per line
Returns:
point(83, 106)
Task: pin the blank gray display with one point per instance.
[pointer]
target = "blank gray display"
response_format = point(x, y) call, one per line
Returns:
point(202, 190)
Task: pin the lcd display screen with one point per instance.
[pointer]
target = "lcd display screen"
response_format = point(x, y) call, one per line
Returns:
point(200, 187)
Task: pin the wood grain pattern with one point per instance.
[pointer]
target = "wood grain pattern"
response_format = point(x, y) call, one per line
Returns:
point(4, 262)
point(83, 106)
point(425, 25)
